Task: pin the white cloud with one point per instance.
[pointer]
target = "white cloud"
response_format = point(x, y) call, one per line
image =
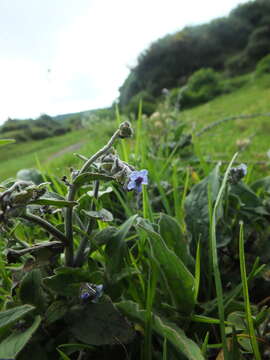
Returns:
point(87, 47)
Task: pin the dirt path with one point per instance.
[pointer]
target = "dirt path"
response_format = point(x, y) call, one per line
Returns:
point(66, 150)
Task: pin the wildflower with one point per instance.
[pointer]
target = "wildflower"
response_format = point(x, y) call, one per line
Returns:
point(137, 179)
point(91, 292)
point(237, 173)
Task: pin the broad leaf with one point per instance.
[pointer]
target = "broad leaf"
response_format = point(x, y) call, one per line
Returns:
point(116, 249)
point(103, 215)
point(67, 281)
point(197, 206)
point(100, 324)
point(247, 196)
point(9, 316)
point(162, 327)
point(12, 345)
point(52, 202)
point(179, 279)
point(174, 238)
point(88, 177)
point(30, 289)
point(56, 311)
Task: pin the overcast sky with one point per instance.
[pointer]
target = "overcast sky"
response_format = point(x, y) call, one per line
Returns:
point(61, 56)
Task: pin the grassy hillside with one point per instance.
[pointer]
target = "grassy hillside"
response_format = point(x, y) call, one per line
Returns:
point(218, 143)
point(250, 136)
point(51, 153)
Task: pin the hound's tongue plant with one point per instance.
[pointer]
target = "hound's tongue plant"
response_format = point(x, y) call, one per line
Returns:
point(76, 265)
point(55, 294)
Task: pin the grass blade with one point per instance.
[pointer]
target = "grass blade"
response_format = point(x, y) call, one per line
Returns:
point(252, 335)
point(214, 256)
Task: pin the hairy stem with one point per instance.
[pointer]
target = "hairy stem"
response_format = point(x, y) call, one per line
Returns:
point(69, 254)
point(79, 258)
point(46, 226)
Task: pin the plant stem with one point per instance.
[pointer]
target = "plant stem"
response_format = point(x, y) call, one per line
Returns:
point(83, 244)
point(46, 225)
point(101, 152)
point(69, 251)
point(69, 254)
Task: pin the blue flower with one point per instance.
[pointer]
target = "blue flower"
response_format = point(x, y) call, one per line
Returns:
point(242, 168)
point(137, 179)
point(237, 173)
point(91, 292)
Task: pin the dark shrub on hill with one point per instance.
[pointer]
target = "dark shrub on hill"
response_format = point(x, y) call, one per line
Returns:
point(263, 66)
point(238, 64)
point(259, 44)
point(173, 58)
point(14, 125)
point(60, 131)
point(37, 133)
point(148, 104)
point(18, 135)
point(201, 87)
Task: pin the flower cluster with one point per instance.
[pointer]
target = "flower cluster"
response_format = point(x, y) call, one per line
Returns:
point(91, 292)
point(237, 173)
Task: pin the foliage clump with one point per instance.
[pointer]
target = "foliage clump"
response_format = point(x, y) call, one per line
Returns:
point(234, 43)
point(263, 66)
point(201, 87)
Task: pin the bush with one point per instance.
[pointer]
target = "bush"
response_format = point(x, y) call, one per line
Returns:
point(259, 44)
point(60, 131)
point(238, 64)
point(18, 135)
point(263, 66)
point(202, 86)
point(148, 104)
point(37, 133)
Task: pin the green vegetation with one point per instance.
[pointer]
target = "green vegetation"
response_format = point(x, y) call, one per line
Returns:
point(152, 241)
point(171, 60)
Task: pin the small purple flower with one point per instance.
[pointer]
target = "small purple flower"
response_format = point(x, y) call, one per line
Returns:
point(137, 179)
point(237, 173)
point(91, 292)
point(242, 168)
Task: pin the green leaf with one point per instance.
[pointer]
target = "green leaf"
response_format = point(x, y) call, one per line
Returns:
point(9, 316)
point(263, 183)
point(56, 311)
point(174, 238)
point(67, 281)
point(75, 347)
point(103, 236)
point(63, 355)
point(247, 196)
point(88, 177)
point(100, 324)
point(197, 207)
point(179, 279)
point(108, 190)
point(116, 249)
point(164, 328)
point(51, 202)
point(103, 215)
point(6, 141)
point(12, 345)
point(30, 289)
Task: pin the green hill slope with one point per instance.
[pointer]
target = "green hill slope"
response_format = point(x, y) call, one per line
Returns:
point(248, 135)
